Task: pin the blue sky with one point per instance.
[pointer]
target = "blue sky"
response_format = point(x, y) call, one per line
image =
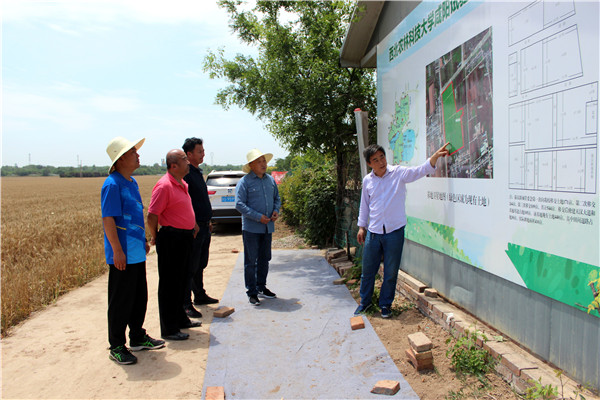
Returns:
point(77, 73)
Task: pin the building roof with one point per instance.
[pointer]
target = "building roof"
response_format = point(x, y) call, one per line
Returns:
point(371, 22)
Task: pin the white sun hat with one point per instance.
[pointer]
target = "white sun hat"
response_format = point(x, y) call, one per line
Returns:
point(253, 155)
point(119, 146)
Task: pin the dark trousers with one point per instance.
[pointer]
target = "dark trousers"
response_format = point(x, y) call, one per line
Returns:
point(173, 248)
point(127, 301)
point(257, 254)
point(198, 262)
point(390, 245)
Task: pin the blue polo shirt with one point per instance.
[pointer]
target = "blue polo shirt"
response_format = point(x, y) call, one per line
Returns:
point(121, 200)
point(255, 197)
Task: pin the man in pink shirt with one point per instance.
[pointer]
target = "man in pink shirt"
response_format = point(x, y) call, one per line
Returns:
point(171, 208)
point(381, 222)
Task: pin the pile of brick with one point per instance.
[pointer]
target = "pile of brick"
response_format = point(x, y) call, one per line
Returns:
point(419, 354)
point(339, 260)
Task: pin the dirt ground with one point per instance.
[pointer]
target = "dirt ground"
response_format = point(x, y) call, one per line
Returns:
point(442, 382)
point(38, 354)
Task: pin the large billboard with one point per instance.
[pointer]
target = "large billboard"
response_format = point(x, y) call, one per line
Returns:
point(513, 87)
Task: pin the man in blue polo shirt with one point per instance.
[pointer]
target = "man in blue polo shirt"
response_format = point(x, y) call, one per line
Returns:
point(125, 249)
point(257, 198)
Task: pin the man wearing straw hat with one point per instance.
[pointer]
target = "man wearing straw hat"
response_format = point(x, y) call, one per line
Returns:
point(125, 249)
point(257, 198)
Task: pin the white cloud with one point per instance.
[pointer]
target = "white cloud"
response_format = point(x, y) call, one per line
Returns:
point(30, 109)
point(111, 11)
point(115, 103)
point(60, 29)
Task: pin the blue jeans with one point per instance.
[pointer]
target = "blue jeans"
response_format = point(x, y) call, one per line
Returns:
point(390, 245)
point(257, 254)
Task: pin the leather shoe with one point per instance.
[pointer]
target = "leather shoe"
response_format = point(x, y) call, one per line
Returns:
point(177, 336)
point(206, 299)
point(192, 324)
point(193, 313)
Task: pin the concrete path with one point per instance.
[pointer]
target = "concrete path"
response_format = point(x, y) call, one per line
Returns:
point(299, 345)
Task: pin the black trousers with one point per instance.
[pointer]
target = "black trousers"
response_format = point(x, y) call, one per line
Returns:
point(198, 262)
point(127, 301)
point(173, 248)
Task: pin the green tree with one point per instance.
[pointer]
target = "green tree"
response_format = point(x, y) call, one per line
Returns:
point(296, 85)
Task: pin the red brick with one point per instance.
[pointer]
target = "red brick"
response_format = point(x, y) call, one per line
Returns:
point(339, 281)
point(520, 385)
point(418, 364)
point(215, 393)
point(497, 349)
point(461, 327)
point(412, 282)
point(421, 356)
point(338, 260)
point(352, 281)
point(419, 342)
point(505, 372)
point(222, 312)
point(430, 292)
point(387, 387)
point(357, 323)
point(343, 271)
point(516, 363)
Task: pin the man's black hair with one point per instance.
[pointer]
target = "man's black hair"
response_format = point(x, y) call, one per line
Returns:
point(371, 150)
point(190, 144)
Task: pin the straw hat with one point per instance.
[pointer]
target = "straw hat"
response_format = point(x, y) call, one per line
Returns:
point(253, 155)
point(119, 146)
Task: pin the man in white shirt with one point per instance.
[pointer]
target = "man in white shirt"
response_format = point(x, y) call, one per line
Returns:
point(381, 222)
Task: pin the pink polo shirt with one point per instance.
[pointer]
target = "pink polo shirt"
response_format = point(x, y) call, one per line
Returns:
point(172, 203)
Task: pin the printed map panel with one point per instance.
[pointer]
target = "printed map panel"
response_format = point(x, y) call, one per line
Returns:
point(459, 108)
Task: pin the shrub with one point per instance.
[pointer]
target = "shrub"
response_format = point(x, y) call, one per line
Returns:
point(467, 357)
point(308, 201)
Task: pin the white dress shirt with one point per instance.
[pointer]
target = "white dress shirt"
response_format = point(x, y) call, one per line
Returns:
point(383, 198)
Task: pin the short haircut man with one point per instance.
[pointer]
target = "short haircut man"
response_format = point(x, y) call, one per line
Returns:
point(171, 208)
point(381, 223)
point(194, 149)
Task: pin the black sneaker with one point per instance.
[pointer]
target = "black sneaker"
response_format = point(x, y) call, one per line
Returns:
point(362, 309)
point(254, 300)
point(386, 312)
point(147, 344)
point(192, 312)
point(267, 293)
point(122, 356)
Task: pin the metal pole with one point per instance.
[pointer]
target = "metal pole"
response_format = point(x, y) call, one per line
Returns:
point(362, 135)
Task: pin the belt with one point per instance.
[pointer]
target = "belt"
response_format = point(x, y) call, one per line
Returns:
point(176, 230)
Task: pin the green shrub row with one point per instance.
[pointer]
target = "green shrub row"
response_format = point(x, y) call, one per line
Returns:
point(308, 202)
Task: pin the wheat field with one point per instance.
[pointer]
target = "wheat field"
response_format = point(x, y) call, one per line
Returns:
point(51, 239)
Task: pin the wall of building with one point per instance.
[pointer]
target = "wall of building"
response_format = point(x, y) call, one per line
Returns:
point(554, 331)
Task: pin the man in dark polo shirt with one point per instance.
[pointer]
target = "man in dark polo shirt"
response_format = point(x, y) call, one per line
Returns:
point(194, 149)
point(171, 208)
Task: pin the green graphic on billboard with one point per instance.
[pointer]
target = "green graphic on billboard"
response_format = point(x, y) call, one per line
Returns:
point(571, 282)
